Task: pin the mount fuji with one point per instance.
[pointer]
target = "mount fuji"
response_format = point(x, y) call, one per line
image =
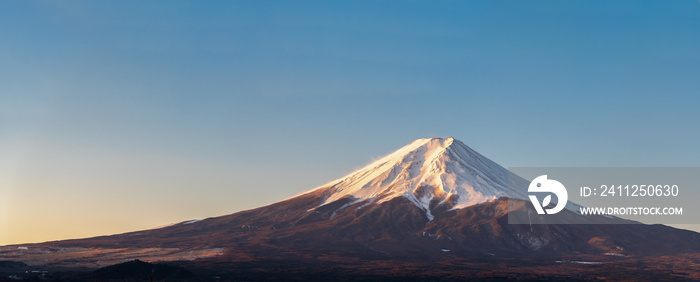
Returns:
point(433, 200)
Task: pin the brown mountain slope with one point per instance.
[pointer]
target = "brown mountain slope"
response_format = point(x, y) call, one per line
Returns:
point(395, 229)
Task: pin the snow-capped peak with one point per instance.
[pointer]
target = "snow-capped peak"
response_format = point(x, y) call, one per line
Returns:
point(426, 169)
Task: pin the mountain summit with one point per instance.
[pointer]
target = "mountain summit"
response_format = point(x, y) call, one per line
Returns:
point(426, 170)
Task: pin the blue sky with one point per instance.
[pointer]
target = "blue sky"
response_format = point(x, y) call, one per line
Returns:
point(123, 115)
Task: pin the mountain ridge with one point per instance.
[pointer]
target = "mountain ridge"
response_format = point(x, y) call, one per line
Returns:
point(334, 224)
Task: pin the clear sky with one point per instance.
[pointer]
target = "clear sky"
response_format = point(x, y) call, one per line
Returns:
point(123, 115)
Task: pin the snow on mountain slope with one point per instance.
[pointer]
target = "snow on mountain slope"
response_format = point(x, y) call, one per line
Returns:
point(427, 169)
